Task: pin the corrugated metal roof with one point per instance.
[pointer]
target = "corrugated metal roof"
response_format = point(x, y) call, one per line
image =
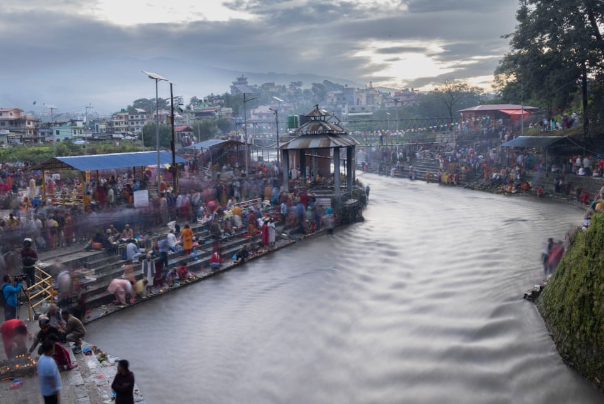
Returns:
point(535, 141)
point(108, 161)
point(215, 143)
point(319, 128)
point(496, 107)
point(317, 112)
point(322, 141)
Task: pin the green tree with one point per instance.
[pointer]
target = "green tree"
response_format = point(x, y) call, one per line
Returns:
point(165, 136)
point(556, 46)
point(225, 125)
point(319, 92)
point(456, 95)
point(205, 129)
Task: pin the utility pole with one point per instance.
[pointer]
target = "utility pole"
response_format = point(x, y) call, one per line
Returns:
point(276, 111)
point(522, 109)
point(173, 142)
point(247, 166)
point(89, 106)
point(54, 139)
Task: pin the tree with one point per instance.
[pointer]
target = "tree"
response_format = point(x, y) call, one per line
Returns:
point(205, 129)
point(149, 135)
point(225, 125)
point(319, 91)
point(456, 95)
point(556, 46)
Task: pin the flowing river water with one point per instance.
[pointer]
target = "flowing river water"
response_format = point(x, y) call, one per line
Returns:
point(421, 303)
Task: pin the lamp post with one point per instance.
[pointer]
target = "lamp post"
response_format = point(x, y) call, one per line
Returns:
point(388, 113)
point(173, 142)
point(89, 106)
point(157, 78)
point(247, 166)
point(54, 139)
point(277, 126)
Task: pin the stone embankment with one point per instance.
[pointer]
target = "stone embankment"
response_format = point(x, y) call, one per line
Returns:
point(572, 304)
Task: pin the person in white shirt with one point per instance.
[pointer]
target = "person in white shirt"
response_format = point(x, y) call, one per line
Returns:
point(171, 240)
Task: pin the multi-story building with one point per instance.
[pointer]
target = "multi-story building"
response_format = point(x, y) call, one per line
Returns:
point(17, 123)
point(137, 120)
point(119, 123)
point(67, 131)
point(235, 88)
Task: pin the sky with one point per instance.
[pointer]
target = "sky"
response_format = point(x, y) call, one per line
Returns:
point(72, 52)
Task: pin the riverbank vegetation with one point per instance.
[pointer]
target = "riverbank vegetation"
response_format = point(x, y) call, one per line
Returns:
point(572, 304)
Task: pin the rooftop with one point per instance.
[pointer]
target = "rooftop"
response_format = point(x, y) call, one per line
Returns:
point(498, 107)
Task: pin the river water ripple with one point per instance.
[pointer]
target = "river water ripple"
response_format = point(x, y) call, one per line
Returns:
point(421, 303)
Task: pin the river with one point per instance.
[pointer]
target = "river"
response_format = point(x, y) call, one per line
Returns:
point(421, 303)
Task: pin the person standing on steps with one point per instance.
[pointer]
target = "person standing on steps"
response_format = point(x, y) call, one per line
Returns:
point(123, 384)
point(29, 258)
point(187, 239)
point(49, 378)
point(9, 293)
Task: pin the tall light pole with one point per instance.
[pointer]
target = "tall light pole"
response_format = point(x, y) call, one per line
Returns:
point(388, 113)
point(89, 106)
point(173, 142)
point(247, 165)
point(276, 111)
point(54, 139)
point(157, 78)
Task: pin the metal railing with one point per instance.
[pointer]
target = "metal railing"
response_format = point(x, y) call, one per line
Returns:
point(44, 294)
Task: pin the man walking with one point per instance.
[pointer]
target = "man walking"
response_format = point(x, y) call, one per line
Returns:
point(49, 377)
point(74, 331)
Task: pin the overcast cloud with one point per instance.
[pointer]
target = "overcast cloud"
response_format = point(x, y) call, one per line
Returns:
point(80, 51)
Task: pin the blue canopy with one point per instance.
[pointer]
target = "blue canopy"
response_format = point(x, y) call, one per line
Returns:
point(108, 161)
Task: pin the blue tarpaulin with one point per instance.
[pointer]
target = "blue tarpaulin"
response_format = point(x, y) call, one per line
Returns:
point(108, 161)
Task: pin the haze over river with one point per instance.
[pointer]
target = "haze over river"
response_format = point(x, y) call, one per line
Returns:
point(421, 303)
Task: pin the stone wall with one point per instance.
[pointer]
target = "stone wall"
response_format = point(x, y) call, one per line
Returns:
point(592, 184)
point(572, 304)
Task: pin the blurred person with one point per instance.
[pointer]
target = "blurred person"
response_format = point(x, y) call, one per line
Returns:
point(14, 337)
point(120, 288)
point(49, 378)
point(29, 257)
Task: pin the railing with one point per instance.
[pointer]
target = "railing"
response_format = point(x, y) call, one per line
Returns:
point(45, 294)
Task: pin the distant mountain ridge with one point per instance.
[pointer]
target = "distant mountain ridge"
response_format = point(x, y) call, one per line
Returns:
point(111, 84)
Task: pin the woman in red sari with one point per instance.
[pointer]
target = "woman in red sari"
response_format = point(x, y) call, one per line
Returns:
point(265, 234)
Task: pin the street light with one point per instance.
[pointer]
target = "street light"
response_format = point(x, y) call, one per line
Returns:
point(247, 165)
point(388, 113)
point(157, 78)
point(277, 126)
point(54, 139)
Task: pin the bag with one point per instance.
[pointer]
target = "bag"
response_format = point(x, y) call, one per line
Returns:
point(97, 246)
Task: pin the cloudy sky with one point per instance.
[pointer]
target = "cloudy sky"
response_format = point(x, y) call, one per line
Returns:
point(72, 52)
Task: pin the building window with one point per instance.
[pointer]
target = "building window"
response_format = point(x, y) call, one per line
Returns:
point(2, 123)
point(57, 132)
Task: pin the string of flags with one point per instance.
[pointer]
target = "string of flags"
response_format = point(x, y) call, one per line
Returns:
point(382, 132)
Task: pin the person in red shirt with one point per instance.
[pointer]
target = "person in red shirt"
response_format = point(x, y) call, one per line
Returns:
point(14, 335)
point(183, 272)
point(216, 260)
